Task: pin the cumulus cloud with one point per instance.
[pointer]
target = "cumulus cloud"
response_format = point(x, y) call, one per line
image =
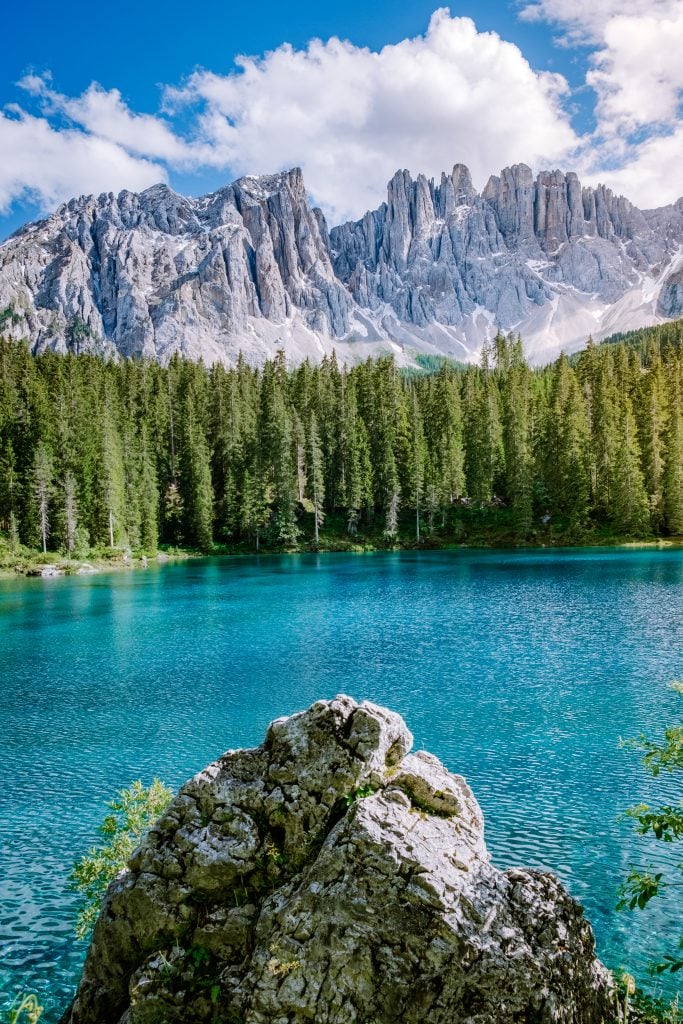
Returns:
point(350, 116)
point(47, 166)
point(583, 21)
point(650, 177)
point(104, 114)
point(636, 72)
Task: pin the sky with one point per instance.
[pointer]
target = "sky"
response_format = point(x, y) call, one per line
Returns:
point(97, 98)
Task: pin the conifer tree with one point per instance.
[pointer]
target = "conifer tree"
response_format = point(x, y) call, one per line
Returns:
point(317, 482)
point(195, 472)
point(672, 499)
point(149, 497)
point(417, 462)
point(70, 512)
point(629, 505)
point(567, 473)
point(9, 484)
point(517, 442)
point(651, 413)
point(112, 478)
point(604, 430)
point(483, 434)
point(41, 480)
point(446, 413)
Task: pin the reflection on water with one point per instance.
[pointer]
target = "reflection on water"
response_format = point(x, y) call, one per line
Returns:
point(520, 670)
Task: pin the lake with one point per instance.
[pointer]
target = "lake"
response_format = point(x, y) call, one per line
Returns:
point(520, 670)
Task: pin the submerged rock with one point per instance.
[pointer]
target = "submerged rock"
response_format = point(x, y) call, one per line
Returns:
point(331, 876)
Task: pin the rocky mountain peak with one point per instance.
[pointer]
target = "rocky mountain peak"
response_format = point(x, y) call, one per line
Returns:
point(252, 267)
point(330, 875)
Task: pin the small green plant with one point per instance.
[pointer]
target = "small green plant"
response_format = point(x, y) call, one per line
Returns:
point(25, 1010)
point(133, 812)
point(359, 794)
point(665, 823)
point(199, 955)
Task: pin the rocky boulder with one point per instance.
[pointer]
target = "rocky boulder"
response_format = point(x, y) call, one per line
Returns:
point(331, 876)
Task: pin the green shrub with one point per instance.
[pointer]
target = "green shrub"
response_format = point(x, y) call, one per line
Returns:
point(133, 812)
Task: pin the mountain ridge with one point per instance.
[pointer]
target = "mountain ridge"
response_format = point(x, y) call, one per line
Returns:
point(253, 267)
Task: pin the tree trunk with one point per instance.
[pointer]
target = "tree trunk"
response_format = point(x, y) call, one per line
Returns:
point(315, 514)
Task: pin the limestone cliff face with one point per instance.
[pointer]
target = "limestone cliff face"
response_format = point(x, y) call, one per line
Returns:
point(437, 268)
point(155, 273)
point(437, 253)
point(332, 876)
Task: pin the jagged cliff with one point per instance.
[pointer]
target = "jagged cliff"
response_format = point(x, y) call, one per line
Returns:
point(251, 268)
point(331, 876)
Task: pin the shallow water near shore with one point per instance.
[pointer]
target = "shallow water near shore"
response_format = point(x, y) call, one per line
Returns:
point(520, 670)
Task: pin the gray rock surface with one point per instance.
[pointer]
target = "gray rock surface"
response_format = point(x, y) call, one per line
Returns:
point(157, 273)
point(252, 268)
point(436, 253)
point(331, 876)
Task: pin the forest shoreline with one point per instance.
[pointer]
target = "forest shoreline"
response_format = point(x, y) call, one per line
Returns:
point(30, 566)
point(98, 458)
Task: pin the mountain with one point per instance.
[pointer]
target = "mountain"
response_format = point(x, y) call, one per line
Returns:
point(253, 268)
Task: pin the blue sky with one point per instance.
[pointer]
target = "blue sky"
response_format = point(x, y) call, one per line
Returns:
point(95, 98)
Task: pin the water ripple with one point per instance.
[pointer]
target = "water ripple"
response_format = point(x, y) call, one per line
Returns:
point(520, 670)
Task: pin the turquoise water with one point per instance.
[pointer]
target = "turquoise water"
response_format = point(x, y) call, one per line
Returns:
point(519, 670)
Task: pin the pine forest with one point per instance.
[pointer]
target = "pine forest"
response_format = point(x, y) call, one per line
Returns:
point(98, 454)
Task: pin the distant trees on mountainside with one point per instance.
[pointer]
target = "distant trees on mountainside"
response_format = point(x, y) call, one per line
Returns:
point(132, 454)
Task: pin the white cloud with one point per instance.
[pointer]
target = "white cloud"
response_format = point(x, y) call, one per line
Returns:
point(105, 115)
point(636, 68)
point(584, 21)
point(350, 116)
point(638, 72)
point(49, 166)
point(650, 177)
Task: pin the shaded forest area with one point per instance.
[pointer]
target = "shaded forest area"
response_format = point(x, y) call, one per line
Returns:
point(130, 454)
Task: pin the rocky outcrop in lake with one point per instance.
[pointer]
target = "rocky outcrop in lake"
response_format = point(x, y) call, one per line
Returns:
point(330, 875)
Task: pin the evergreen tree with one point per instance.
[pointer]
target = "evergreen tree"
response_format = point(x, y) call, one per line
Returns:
point(9, 484)
point(195, 483)
point(672, 499)
point(112, 477)
point(417, 462)
point(149, 497)
point(41, 479)
point(517, 441)
point(317, 482)
point(567, 471)
point(70, 512)
point(629, 505)
point(651, 413)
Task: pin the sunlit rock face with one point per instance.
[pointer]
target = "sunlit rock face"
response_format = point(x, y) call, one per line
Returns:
point(252, 268)
point(330, 875)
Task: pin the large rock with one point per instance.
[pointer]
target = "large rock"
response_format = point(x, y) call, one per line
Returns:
point(331, 876)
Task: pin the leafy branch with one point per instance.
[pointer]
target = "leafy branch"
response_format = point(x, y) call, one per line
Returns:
point(133, 812)
point(665, 823)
